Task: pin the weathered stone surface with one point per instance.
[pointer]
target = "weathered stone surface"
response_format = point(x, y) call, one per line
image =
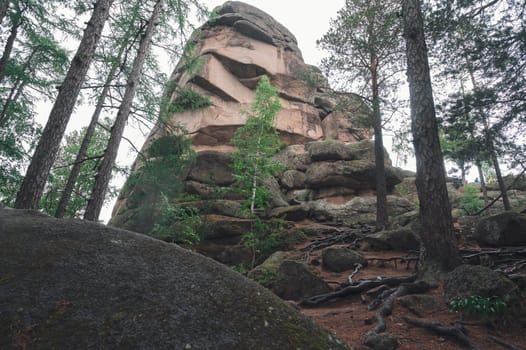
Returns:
point(293, 213)
point(212, 167)
point(419, 303)
point(355, 174)
point(291, 179)
point(358, 209)
point(266, 272)
point(468, 280)
point(219, 227)
point(295, 281)
point(294, 157)
point(402, 239)
point(330, 150)
point(338, 259)
point(70, 284)
point(382, 342)
point(504, 229)
point(231, 255)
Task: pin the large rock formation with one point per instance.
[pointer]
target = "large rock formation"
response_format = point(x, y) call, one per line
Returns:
point(71, 284)
point(328, 155)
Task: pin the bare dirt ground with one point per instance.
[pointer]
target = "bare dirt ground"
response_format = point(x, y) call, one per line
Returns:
point(346, 316)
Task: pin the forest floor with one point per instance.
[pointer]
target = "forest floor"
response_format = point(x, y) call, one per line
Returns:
point(346, 316)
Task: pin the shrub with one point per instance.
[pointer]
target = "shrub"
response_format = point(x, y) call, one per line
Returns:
point(470, 201)
point(475, 305)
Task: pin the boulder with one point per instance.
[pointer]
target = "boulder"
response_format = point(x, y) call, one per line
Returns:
point(225, 229)
point(382, 342)
point(295, 281)
point(266, 273)
point(468, 280)
point(291, 179)
point(292, 213)
point(339, 259)
point(402, 239)
point(357, 209)
point(212, 167)
point(70, 284)
point(329, 150)
point(504, 229)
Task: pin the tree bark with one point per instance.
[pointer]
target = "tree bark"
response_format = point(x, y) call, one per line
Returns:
point(103, 176)
point(35, 180)
point(8, 47)
point(4, 6)
point(482, 182)
point(75, 170)
point(382, 217)
point(439, 252)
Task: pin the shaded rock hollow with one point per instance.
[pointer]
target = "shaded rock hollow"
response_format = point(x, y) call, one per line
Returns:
point(328, 153)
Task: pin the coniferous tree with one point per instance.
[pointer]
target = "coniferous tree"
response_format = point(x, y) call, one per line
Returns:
point(103, 176)
point(438, 252)
point(34, 182)
point(364, 48)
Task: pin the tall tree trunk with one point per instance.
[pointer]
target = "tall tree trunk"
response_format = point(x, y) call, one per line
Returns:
point(439, 252)
point(491, 147)
point(482, 182)
point(382, 217)
point(103, 176)
point(4, 6)
point(35, 180)
point(14, 94)
point(75, 170)
point(8, 48)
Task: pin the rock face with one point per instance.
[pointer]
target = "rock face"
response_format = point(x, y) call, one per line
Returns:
point(68, 284)
point(329, 170)
point(504, 229)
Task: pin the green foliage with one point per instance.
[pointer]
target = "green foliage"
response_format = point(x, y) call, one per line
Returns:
point(187, 99)
point(470, 200)
point(62, 168)
point(268, 237)
point(176, 223)
point(475, 305)
point(266, 276)
point(257, 142)
point(311, 77)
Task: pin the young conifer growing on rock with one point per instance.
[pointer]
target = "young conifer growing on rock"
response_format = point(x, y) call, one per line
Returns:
point(256, 142)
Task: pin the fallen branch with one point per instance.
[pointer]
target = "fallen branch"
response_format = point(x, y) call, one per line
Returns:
point(357, 268)
point(456, 332)
point(355, 288)
point(390, 297)
point(504, 344)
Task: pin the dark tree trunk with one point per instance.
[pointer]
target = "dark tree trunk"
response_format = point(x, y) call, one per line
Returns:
point(103, 176)
point(482, 183)
point(8, 48)
point(500, 181)
point(35, 180)
point(382, 218)
point(439, 252)
point(4, 6)
point(75, 171)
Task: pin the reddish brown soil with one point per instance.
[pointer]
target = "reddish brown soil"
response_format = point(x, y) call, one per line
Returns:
point(346, 316)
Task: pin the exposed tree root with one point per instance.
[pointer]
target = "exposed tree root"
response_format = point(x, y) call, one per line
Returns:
point(387, 298)
point(456, 332)
point(505, 344)
point(354, 288)
point(353, 235)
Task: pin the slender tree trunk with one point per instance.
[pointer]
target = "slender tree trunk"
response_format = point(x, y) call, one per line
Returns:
point(382, 217)
point(491, 147)
point(103, 176)
point(14, 94)
point(439, 252)
point(77, 166)
point(482, 182)
point(35, 180)
point(4, 6)
point(8, 48)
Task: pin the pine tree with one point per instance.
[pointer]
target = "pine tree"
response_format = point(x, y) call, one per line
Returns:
point(438, 252)
point(36, 176)
point(364, 48)
point(105, 168)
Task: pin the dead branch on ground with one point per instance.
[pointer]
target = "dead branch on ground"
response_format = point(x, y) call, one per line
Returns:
point(456, 332)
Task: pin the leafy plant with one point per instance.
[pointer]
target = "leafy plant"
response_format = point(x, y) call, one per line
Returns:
point(476, 305)
point(176, 223)
point(266, 276)
point(257, 142)
point(470, 201)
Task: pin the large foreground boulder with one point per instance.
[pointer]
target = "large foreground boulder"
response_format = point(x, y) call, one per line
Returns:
point(67, 284)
